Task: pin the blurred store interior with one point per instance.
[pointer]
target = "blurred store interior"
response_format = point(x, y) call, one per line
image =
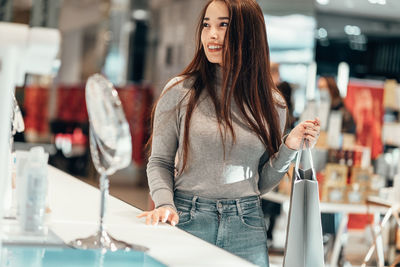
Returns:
point(140, 44)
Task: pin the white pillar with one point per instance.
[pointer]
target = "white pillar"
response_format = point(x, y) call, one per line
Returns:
point(8, 71)
point(13, 39)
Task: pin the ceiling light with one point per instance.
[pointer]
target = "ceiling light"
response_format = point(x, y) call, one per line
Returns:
point(356, 30)
point(350, 4)
point(343, 78)
point(140, 14)
point(322, 33)
point(323, 2)
point(380, 2)
point(348, 29)
point(352, 30)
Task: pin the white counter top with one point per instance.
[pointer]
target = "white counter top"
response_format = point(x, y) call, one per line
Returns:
point(75, 209)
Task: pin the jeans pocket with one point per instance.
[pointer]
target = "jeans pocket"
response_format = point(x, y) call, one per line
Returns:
point(185, 217)
point(253, 221)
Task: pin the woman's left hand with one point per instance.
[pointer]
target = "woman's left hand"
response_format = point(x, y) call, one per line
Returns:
point(309, 130)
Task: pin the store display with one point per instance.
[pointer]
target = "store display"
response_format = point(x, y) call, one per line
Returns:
point(335, 194)
point(377, 182)
point(349, 141)
point(391, 95)
point(335, 175)
point(365, 102)
point(361, 176)
point(390, 133)
point(336, 186)
point(71, 106)
point(354, 195)
point(36, 109)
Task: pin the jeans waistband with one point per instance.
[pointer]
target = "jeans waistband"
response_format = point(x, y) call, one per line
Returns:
point(235, 206)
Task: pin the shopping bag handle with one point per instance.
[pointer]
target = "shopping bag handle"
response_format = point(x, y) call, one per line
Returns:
point(306, 142)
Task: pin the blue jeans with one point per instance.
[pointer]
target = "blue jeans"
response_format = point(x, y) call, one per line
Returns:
point(236, 225)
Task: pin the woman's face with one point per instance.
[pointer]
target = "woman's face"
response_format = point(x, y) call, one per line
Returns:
point(322, 84)
point(215, 24)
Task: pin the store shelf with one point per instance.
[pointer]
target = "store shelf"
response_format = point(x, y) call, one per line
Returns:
point(327, 207)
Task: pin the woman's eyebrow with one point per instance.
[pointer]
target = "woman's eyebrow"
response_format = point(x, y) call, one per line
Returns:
point(220, 18)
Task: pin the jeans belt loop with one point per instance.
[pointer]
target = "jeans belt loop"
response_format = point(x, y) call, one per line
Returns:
point(239, 208)
point(193, 209)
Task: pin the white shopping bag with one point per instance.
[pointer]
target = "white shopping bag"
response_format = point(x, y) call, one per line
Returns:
point(304, 246)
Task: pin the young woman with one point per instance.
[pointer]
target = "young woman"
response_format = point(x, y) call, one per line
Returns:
point(217, 135)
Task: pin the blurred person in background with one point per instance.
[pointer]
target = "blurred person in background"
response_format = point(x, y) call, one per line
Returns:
point(328, 89)
point(217, 142)
point(286, 91)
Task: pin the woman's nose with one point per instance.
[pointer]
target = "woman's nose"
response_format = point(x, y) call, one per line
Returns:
point(213, 33)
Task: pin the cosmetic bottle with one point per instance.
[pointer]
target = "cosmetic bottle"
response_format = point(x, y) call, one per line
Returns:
point(32, 210)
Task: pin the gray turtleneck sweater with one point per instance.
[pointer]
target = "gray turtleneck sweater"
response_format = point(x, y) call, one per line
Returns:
point(208, 174)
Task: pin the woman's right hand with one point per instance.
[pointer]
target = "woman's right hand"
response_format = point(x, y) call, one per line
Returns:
point(163, 214)
point(309, 130)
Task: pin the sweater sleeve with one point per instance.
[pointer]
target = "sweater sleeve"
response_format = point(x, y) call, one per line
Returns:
point(275, 168)
point(161, 165)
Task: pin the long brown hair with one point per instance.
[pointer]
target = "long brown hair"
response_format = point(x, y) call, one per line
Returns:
point(245, 77)
point(336, 99)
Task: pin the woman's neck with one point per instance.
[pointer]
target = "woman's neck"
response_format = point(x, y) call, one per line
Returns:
point(218, 77)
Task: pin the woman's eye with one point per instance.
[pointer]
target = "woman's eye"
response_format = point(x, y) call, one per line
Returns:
point(224, 24)
point(205, 25)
